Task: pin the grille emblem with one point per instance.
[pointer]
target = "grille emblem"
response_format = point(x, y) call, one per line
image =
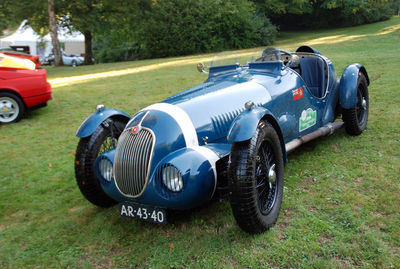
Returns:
point(135, 129)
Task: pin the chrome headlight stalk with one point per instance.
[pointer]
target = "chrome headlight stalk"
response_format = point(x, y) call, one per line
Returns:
point(172, 178)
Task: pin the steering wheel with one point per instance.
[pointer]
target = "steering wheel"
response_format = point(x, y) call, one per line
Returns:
point(273, 54)
point(289, 58)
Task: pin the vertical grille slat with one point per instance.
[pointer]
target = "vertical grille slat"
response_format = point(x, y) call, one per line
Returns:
point(142, 157)
point(134, 155)
point(132, 161)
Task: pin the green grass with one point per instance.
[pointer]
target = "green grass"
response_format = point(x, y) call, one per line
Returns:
point(341, 205)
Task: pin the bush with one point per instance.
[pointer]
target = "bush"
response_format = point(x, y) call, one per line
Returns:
point(181, 27)
point(114, 48)
point(326, 13)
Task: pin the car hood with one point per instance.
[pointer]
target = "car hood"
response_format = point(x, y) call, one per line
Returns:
point(213, 105)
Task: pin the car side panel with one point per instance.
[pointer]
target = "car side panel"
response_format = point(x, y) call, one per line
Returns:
point(290, 97)
point(31, 85)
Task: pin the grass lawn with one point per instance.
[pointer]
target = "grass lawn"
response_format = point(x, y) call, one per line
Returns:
point(341, 205)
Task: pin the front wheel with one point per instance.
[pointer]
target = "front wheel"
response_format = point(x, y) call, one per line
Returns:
point(256, 180)
point(356, 118)
point(89, 148)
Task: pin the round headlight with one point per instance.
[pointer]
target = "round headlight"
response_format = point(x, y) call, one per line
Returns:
point(106, 169)
point(172, 178)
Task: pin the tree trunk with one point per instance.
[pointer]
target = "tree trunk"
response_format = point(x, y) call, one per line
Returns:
point(88, 47)
point(54, 35)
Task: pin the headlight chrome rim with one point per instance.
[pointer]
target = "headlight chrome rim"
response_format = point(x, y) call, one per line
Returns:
point(172, 178)
point(106, 169)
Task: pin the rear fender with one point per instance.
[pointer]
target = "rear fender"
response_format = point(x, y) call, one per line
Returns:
point(91, 123)
point(348, 85)
point(245, 125)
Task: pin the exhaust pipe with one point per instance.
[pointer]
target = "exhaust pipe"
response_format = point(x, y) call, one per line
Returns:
point(325, 130)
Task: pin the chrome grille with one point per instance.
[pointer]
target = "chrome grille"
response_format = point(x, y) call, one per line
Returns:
point(132, 161)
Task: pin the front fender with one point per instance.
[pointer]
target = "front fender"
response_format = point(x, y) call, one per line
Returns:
point(93, 121)
point(244, 126)
point(348, 85)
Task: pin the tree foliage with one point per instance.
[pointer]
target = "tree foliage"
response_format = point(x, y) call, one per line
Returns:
point(86, 16)
point(12, 13)
point(117, 38)
point(176, 27)
point(326, 13)
point(126, 30)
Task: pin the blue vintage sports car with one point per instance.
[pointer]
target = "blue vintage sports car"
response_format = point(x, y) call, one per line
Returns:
point(230, 134)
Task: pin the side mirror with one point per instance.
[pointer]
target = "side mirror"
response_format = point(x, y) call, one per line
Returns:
point(200, 68)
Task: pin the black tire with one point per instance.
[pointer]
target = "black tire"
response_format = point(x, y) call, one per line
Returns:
point(12, 108)
point(255, 196)
point(356, 118)
point(89, 148)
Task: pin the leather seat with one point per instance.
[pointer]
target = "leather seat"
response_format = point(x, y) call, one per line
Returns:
point(312, 72)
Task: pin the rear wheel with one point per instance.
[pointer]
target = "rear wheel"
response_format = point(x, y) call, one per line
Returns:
point(356, 118)
point(89, 148)
point(256, 180)
point(11, 108)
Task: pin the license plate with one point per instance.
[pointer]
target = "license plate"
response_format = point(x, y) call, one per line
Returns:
point(142, 212)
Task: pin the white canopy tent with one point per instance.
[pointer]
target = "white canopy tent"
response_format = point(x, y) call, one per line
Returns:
point(74, 43)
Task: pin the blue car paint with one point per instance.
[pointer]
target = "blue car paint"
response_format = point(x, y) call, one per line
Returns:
point(307, 49)
point(216, 122)
point(220, 149)
point(348, 85)
point(168, 134)
point(194, 193)
point(109, 187)
point(216, 109)
point(245, 124)
point(91, 123)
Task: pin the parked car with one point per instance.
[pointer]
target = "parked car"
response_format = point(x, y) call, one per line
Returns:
point(21, 88)
point(72, 60)
point(12, 52)
point(232, 133)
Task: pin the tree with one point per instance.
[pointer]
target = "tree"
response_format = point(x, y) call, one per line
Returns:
point(180, 27)
point(4, 18)
point(85, 16)
point(325, 13)
point(58, 61)
point(41, 17)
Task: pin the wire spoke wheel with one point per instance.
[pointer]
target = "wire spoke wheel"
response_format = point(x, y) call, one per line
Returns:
point(256, 180)
point(361, 107)
point(108, 144)
point(356, 118)
point(266, 178)
point(89, 148)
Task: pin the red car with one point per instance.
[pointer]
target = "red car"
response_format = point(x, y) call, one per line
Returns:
point(12, 52)
point(34, 59)
point(21, 89)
